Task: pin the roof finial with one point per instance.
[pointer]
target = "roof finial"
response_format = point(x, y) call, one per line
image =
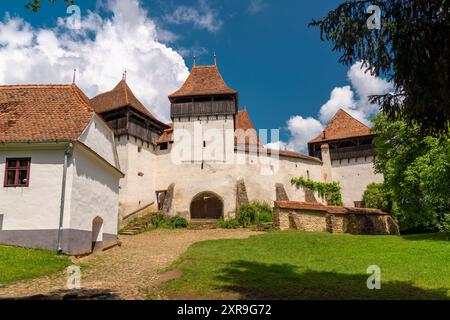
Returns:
point(215, 57)
point(124, 76)
point(195, 60)
point(74, 76)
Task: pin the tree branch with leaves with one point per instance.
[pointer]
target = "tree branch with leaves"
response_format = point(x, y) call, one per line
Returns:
point(36, 5)
point(411, 49)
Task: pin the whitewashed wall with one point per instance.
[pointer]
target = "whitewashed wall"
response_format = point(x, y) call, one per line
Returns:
point(137, 189)
point(94, 192)
point(354, 175)
point(99, 137)
point(36, 206)
point(190, 179)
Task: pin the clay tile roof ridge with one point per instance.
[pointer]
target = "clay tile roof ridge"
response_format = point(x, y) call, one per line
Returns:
point(332, 123)
point(203, 80)
point(34, 86)
point(82, 98)
point(124, 86)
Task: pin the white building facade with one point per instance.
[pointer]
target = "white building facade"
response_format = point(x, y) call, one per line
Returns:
point(61, 183)
point(211, 153)
point(74, 168)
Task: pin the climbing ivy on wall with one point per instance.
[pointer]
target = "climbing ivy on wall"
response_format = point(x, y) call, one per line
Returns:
point(330, 192)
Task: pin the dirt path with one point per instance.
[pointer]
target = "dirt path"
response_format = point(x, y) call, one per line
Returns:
point(126, 271)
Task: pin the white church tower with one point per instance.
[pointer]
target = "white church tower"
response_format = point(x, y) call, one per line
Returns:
point(204, 111)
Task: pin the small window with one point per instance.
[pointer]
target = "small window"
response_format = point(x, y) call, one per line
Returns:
point(17, 172)
point(164, 146)
point(139, 149)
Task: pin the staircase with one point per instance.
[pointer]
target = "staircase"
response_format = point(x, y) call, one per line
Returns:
point(203, 224)
point(137, 225)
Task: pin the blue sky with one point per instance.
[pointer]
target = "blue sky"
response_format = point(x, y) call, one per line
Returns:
point(284, 73)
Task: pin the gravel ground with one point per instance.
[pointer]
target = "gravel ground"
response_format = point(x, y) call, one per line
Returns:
point(127, 272)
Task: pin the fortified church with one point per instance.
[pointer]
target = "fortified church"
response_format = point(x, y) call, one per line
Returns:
point(75, 167)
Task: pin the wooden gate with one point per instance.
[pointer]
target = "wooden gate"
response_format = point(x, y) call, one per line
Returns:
point(206, 206)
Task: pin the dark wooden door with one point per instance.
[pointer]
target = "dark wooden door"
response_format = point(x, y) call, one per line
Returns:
point(206, 206)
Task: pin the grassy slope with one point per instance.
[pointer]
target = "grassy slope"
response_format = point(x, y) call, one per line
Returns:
point(20, 263)
point(294, 265)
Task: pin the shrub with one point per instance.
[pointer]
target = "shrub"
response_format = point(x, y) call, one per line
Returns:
point(247, 215)
point(254, 213)
point(177, 222)
point(264, 212)
point(377, 196)
point(160, 220)
point(444, 223)
point(228, 224)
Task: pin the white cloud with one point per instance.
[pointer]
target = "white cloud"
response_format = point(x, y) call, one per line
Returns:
point(256, 6)
point(277, 145)
point(340, 97)
point(363, 85)
point(202, 17)
point(352, 98)
point(301, 130)
point(100, 51)
point(189, 53)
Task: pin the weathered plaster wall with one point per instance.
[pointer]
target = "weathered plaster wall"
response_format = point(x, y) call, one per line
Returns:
point(190, 179)
point(94, 193)
point(354, 175)
point(138, 161)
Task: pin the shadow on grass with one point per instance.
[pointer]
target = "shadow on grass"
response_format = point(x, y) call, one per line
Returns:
point(83, 294)
point(251, 280)
point(442, 236)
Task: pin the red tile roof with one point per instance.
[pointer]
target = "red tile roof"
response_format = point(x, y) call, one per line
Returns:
point(342, 126)
point(166, 136)
point(244, 123)
point(38, 113)
point(315, 206)
point(247, 143)
point(203, 81)
point(119, 97)
point(281, 153)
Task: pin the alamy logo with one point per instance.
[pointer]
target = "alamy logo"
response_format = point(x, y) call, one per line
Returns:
point(374, 281)
point(74, 21)
point(200, 144)
point(374, 21)
point(73, 278)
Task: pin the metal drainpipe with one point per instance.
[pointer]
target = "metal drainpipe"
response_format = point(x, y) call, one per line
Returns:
point(63, 196)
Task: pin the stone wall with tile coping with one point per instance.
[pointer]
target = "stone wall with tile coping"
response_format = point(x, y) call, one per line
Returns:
point(316, 217)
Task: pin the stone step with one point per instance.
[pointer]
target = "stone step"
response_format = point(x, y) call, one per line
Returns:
point(203, 224)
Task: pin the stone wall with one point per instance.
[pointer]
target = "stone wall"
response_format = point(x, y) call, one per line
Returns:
point(309, 221)
point(317, 217)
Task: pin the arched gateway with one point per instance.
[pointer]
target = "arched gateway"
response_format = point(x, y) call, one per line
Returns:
point(206, 205)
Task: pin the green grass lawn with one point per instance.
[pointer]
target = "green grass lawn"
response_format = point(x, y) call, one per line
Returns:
point(20, 263)
point(296, 265)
